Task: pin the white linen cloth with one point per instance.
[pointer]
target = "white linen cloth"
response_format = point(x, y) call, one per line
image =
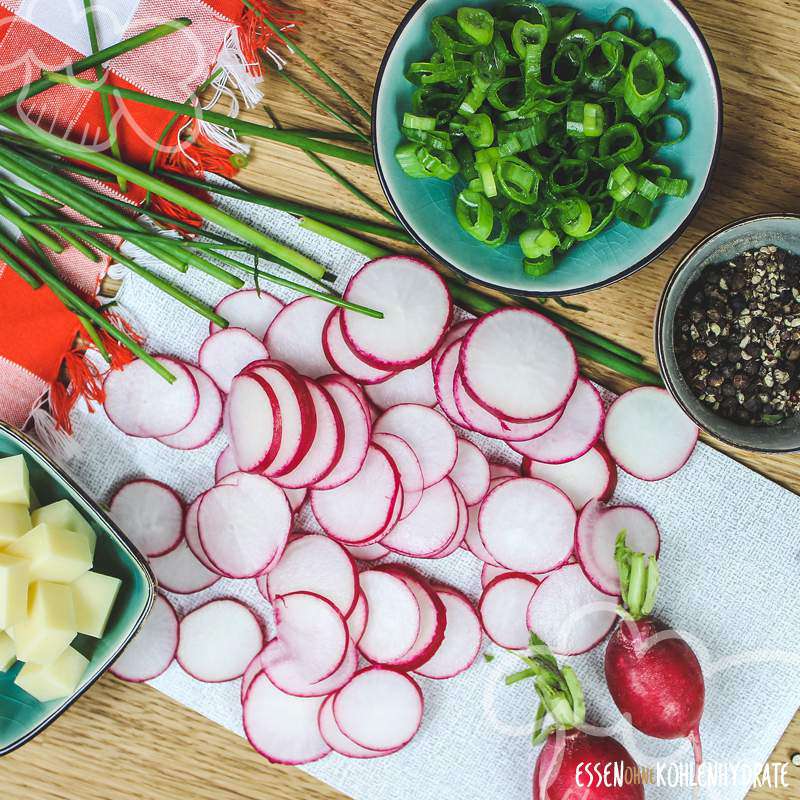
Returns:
point(730, 562)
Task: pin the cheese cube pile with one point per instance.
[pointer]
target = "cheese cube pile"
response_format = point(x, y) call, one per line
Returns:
point(48, 593)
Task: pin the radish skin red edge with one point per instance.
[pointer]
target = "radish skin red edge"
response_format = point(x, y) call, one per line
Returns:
point(207, 419)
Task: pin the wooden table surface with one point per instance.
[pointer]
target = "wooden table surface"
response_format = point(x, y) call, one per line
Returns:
point(124, 741)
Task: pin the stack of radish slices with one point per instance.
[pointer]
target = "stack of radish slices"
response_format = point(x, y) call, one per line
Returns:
point(376, 426)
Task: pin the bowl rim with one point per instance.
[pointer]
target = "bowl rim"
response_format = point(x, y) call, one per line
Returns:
point(660, 321)
point(28, 445)
point(642, 263)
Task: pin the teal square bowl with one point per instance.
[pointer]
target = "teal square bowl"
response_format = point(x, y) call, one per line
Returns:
point(22, 717)
point(426, 206)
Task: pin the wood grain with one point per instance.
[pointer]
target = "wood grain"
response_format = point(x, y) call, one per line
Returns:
point(123, 741)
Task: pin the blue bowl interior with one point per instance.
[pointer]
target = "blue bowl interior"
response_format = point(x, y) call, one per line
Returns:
point(426, 206)
point(21, 717)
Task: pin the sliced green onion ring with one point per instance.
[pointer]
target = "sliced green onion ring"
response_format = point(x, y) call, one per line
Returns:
point(475, 214)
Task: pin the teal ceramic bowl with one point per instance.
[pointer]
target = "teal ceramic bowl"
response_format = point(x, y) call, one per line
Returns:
point(426, 206)
point(22, 717)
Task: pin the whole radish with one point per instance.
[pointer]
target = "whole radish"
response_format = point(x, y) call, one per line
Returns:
point(573, 764)
point(652, 673)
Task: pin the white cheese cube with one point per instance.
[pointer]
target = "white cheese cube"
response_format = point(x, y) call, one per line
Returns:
point(15, 485)
point(62, 514)
point(55, 554)
point(50, 624)
point(56, 680)
point(94, 595)
point(14, 521)
point(14, 576)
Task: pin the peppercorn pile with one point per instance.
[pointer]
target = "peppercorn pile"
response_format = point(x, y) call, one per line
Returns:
point(737, 337)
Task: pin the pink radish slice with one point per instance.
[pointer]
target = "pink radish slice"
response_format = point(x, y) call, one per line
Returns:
point(281, 727)
point(219, 640)
point(153, 649)
point(574, 434)
point(355, 388)
point(527, 525)
point(283, 671)
point(461, 530)
point(428, 433)
point(357, 620)
point(244, 526)
point(416, 311)
point(207, 421)
point(297, 415)
point(393, 622)
point(430, 527)
point(503, 606)
point(413, 385)
point(341, 355)
point(356, 428)
point(296, 498)
point(368, 552)
point(249, 309)
point(462, 638)
point(407, 465)
point(497, 470)
point(593, 475)
point(340, 743)
point(471, 472)
point(379, 709)
point(455, 334)
point(443, 382)
point(569, 614)
point(648, 434)
point(295, 336)
point(226, 353)
point(489, 572)
point(362, 508)
point(226, 464)
point(317, 564)
point(473, 541)
point(255, 425)
point(518, 364)
point(312, 633)
point(142, 404)
point(191, 534)
point(431, 619)
point(596, 537)
point(325, 450)
point(250, 674)
point(150, 514)
point(180, 572)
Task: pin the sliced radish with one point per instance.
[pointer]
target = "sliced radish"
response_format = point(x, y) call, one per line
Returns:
point(281, 727)
point(407, 465)
point(648, 434)
point(413, 385)
point(343, 358)
point(379, 709)
point(432, 619)
point(596, 538)
point(461, 530)
point(207, 420)
point(243, 527)
point(462, 638)
point(429, 434)
point(361, 509)
point(473, 541)
point(430, 527)
point(455, 334)
point(356, 428)
point(312, 633)
point(471, 472)
point(150, 514)
point(327, 447)
point(141, 403)
point(355, 388)
point(181, 572)
point(593, 475)
point(295, 336)
point(226, 464)
point(153, 649)
point(285, 672)
point(367, 552)
point(574, 434)
point(357, 619)
point(443, 383)
point(489, 572)
point(340, 743)
point(317, 564)
point(251, 309)
point(393, 622)
point(250, 674)
point(191, 534)
point(497, 470)
point(527, 525)
point(569, 614)
point(219, 640)
point(255, 425)
point(226, 353)
point(296, 498)
point(416, 311)
point(298, 421)
point(503, 606)
point(518, 364)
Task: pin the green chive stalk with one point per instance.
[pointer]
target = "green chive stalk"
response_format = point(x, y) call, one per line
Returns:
point(240, 126)
point(342, 237)
point(28, 230)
